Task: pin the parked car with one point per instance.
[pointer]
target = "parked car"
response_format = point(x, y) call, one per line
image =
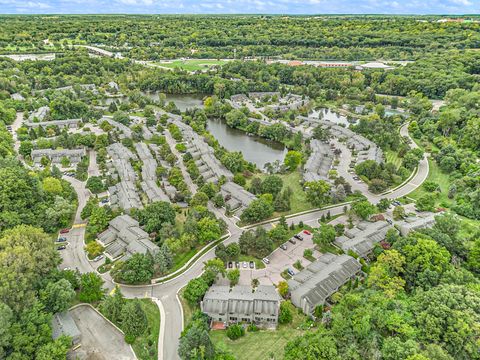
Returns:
point(230, 265)
point(292, 240)
point(104, 201)
point(283, 247)
point(245, 264)
point(237, 265)
point(62, 247)
point(290, 272)
point(356, 178)
point(298, 237)
point(266, 261)
point(64, 231)
point(307, 232)
point(390, 221)
point(62, 239)
point(252, 265)
point(98, 258)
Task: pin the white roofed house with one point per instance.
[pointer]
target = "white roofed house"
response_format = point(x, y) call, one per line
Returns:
point(319, 162)
point(69, 123)
point(321, 279)
point(124, 237)
point(242, 304)
point(413, 223)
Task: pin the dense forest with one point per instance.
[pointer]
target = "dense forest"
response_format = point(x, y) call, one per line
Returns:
point(326, 37)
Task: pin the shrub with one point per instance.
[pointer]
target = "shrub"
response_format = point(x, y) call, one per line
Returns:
point(285, 316)
point(235, 331)
point(252, 328)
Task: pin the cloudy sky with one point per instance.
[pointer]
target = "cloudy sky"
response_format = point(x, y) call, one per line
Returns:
point(241, 6)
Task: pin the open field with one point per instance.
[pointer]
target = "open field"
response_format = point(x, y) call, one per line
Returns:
point(435, 175)
point(193, 64)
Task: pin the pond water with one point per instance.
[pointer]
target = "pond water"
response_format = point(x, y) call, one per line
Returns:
point(182, 101)
point(254, 149)
point(332, 116)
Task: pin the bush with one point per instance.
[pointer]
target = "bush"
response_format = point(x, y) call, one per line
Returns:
point(252, 328)
point(285, 315)
point(130, 339)
point(235, 331)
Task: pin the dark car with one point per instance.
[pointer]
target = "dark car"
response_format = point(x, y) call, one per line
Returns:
point(252, 265)
point(283, 247)
point(292, 240)
point(230, 265)
point(62, 247)
point(62, 239)
point(298, 237)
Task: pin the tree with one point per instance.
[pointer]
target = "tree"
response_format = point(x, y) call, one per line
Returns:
point(293, 159)
point(283, 288)
point(52, 186)
point(208, 230)
point(137, 269)
point(134, 318)
point(26, 148)
point(319, 345)
point(6, 317)
point(55, 350)
point(233, 276)
point(384, 204)
point(385, 273)
point(363, 209)
point(272, 184)
point(27, 255)
point(112, 306)
point(425, 203)
point(195, 290)
point(258, 210)
point(94, 249)
point(95, 184)
point(199, 199)
point(91, 288)
point(317, 192)
point(195, 343)
point(325, 235)
point(155, 215)
point(235, 331)
point(285, 314)
point(398, 212)
point(57, 296)
point(163, 259)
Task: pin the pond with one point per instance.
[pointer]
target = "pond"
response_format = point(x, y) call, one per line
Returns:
point(254, 148)
point(182, 101)
point(328, 114)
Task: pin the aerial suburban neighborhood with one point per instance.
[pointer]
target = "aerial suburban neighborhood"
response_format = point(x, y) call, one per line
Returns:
point(252, 186)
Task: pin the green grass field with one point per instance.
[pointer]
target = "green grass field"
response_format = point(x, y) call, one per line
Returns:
point(192, 65)
point(435, 175)
point(146, 346)
point(392, 157)
point(264, 344)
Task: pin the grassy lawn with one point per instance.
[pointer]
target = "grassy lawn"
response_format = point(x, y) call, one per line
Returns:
point(435, 175)
point(193, 64)
point(264, 344)
point(146, 346)
point(392, 157)
point(188, 310)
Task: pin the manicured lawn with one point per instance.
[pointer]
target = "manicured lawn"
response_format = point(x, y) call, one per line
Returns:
point(146, 346)
point(392, 157)
point(193, 64)
point(436, 175)
point(264, 344)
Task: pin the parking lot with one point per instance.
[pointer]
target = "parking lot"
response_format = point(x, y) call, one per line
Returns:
point(100, 340)
point(279, 260)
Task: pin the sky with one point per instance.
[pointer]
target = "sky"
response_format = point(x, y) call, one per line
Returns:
point(240, 6)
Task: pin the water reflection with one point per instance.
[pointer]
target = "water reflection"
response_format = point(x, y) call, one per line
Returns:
point(254, 149)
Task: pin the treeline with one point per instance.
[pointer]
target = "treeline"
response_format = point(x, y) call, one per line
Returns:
point(157, 37)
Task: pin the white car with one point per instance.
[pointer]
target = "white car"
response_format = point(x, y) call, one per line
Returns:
point(98, 258)
point(266, 261)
